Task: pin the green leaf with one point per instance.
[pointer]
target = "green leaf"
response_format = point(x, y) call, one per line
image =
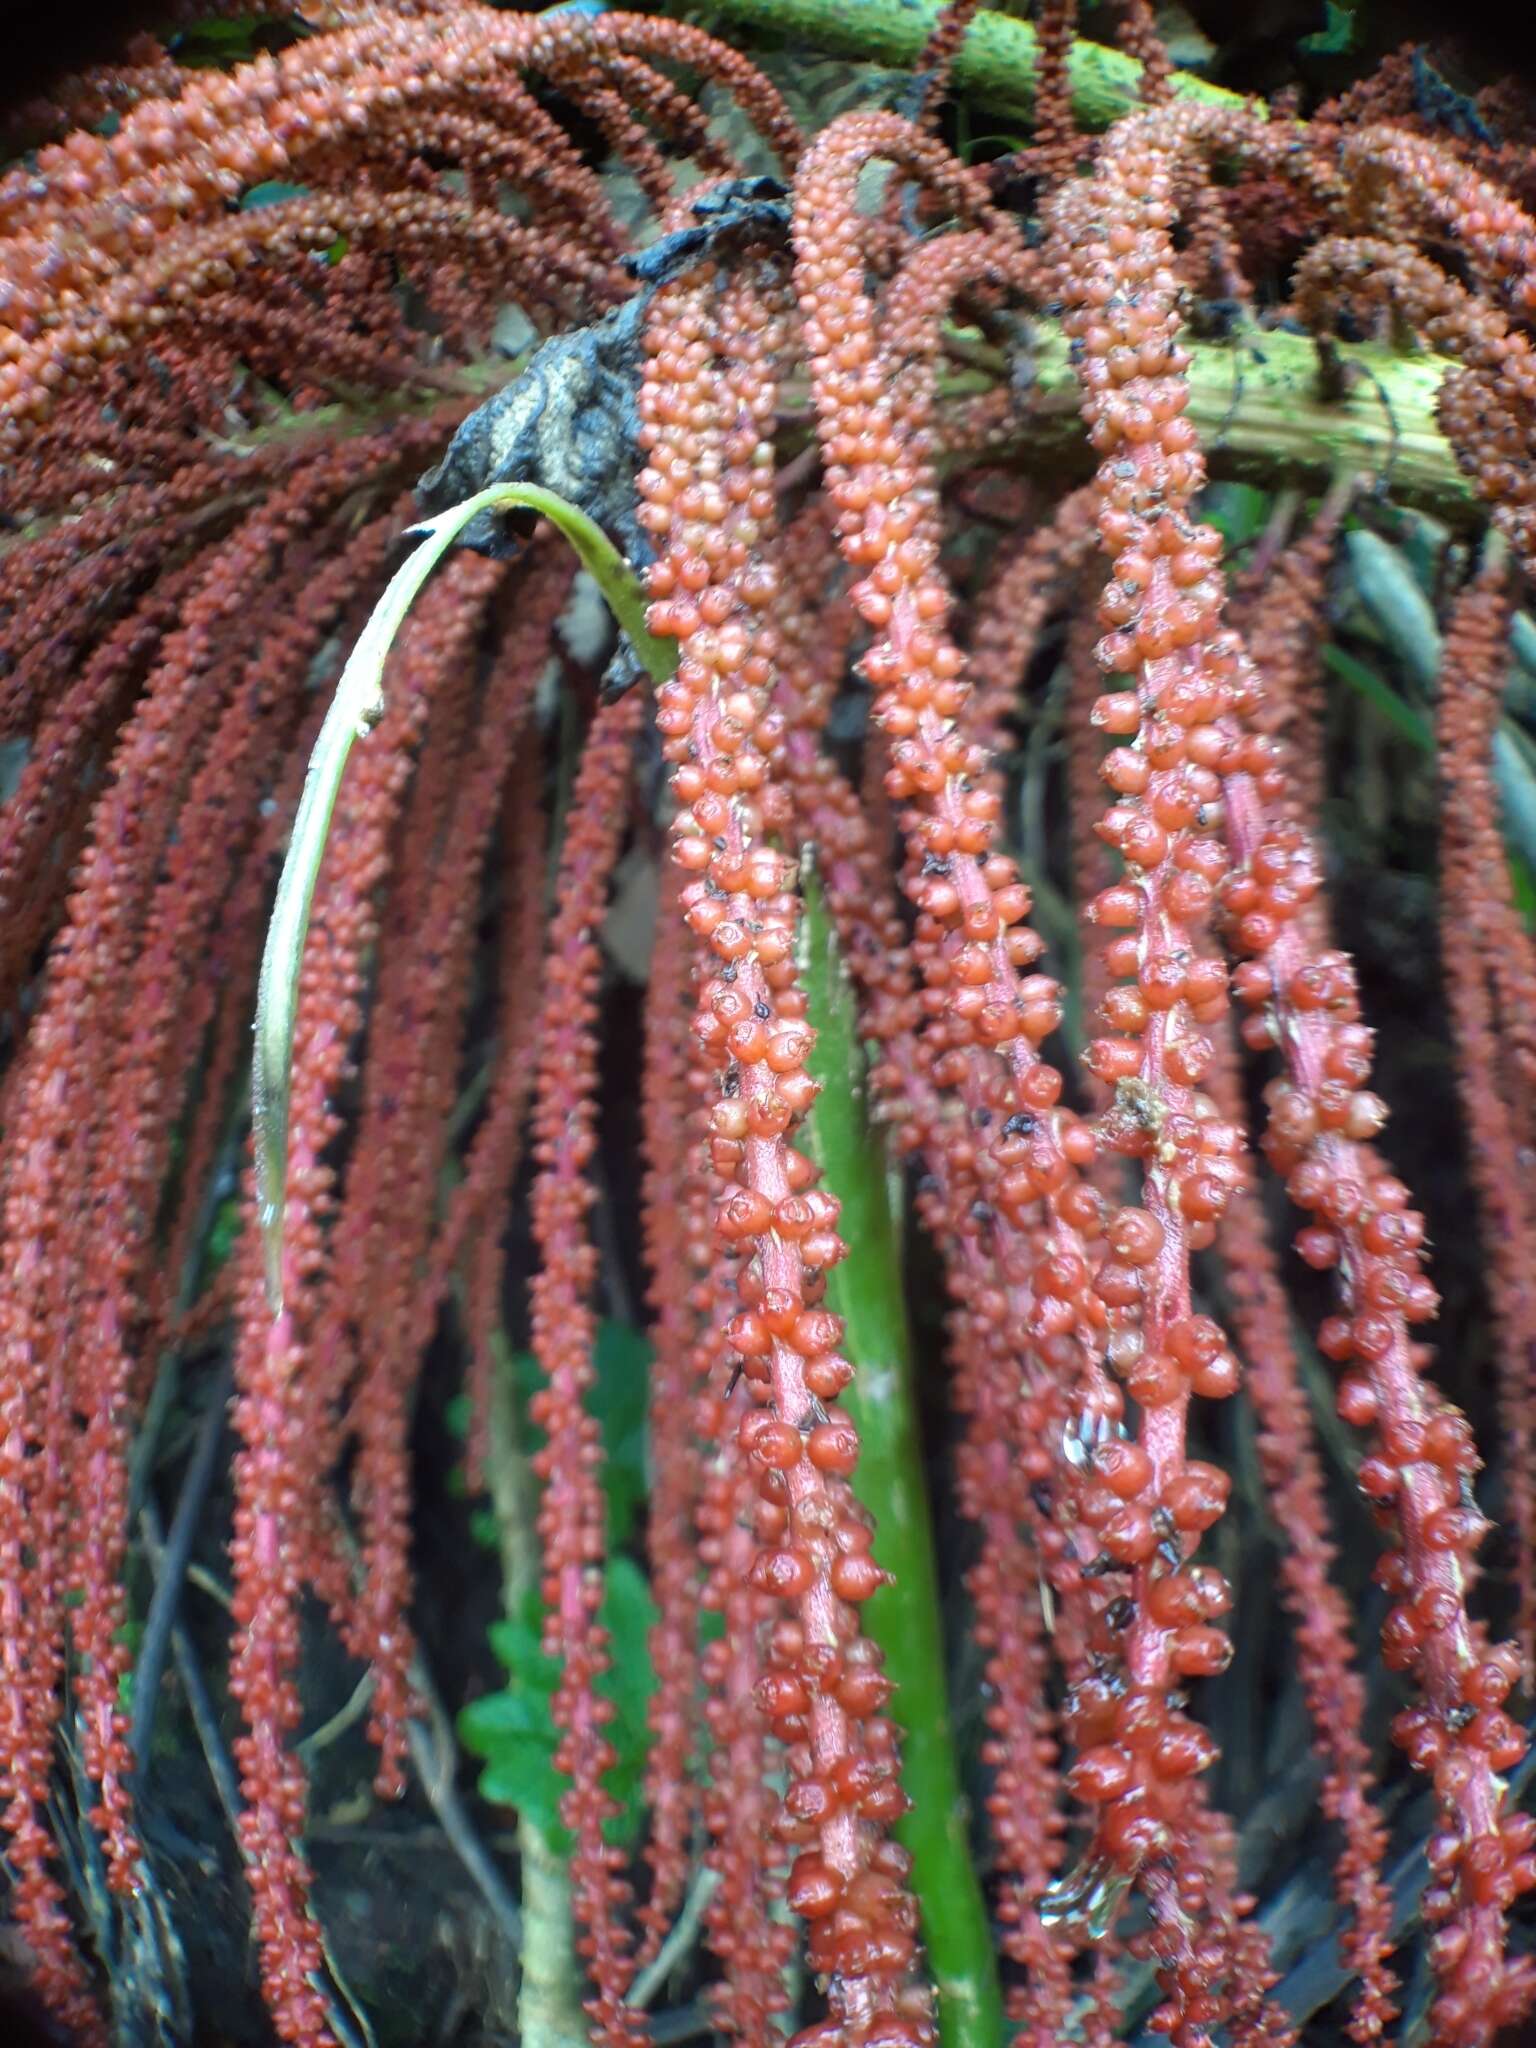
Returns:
point(514, 1730)
point(458, 1413)
point(219, 44)
point(621, 1829)
point(1007, 144)
point(523, 1775)
point(228, 1221)
point(1335, 37)
point(526, 1376)
point(629, 1614)
point(622, 1361)
point(711, 1626)
point(1381, 697)
point(1523, 882)
point(486, 1724)
point(518, 1645)
point(1237, 511)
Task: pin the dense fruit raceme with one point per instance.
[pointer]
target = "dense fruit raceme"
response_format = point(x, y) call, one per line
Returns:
point(1201, 765)
point(1066, 761)
point(563, 1325)
point(706, 405)
point(1488, 968)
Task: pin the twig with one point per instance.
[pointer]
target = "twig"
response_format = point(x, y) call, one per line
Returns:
point(170, 1563)
point(435, 1757)
point(345, 1717)
point(678, 1943)
point(210, 1583)
point(222, 1771)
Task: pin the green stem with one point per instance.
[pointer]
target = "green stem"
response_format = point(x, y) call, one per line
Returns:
point(996, 65)
point(905, 1616)
point(549, 2013)
point(549, 2010)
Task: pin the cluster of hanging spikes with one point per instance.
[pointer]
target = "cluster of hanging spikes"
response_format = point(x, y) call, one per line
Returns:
point(160, 497)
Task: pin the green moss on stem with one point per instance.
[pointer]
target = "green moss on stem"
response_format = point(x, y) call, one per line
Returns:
point(996, 65)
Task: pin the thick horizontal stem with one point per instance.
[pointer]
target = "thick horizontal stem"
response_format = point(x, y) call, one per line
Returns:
point(1264, 412)
point(1264, 415)
point(996, 64)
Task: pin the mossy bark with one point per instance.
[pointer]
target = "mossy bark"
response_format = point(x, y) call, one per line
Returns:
point(997, 63)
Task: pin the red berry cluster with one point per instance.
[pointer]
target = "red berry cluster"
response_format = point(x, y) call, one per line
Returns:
point(706, 407)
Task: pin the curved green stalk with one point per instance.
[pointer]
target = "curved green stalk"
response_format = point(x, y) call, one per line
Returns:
point(355, 709)
point(904, 1617)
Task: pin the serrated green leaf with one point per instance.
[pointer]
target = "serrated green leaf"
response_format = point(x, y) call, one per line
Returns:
point(629, 1614)
point(517, 1647)
point(514, 1714)
point(523, 1775)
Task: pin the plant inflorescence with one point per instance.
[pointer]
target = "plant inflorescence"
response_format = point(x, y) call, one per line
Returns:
point(246, 324)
